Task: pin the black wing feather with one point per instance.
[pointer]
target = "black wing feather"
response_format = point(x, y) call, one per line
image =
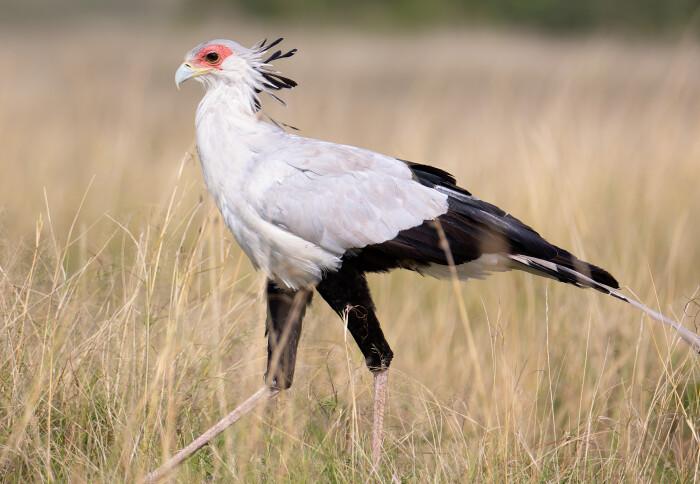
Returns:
point(472, 228)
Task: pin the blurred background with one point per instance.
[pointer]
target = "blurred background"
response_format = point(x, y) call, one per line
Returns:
point(641, 16)
point(131, 321)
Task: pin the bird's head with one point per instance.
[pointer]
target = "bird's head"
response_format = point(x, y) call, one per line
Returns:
point(222, 61)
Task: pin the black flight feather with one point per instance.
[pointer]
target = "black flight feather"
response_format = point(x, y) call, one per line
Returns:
point(473, 228)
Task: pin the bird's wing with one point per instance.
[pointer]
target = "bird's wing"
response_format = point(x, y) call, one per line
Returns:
point(402, 214)
point(341, 197)
point(482, 238)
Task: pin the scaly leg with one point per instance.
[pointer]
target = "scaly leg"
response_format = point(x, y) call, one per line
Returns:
point(346, 291)
point(381, 384)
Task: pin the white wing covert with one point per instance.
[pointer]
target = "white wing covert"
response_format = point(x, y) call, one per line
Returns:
point(341, 197)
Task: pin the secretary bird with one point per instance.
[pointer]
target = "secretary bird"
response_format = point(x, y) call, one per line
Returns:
point(318, 215)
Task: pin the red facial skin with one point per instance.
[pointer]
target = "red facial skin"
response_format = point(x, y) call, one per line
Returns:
point(201, 60)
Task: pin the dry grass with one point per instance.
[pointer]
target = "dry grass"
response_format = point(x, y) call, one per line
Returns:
point(131, 322)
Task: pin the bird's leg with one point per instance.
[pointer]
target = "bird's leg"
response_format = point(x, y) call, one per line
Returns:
point(285, 311)
point(346, 291)
point(381, 384)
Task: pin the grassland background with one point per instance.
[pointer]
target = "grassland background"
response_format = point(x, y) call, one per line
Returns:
point(131, 321)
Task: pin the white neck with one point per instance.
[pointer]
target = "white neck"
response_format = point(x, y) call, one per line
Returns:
point(233, 100)
point(229, 135)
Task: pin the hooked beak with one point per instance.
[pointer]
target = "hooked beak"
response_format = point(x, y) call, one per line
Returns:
point(186, 71)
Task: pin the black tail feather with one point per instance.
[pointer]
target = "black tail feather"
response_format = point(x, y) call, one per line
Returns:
point(580, 274)
point(473, 227)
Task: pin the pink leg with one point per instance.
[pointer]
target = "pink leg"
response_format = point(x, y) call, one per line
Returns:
point(381, 379)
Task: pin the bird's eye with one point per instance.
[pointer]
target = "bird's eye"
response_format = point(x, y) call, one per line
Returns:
point(212, 57)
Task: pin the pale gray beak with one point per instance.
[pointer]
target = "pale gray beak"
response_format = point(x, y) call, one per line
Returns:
point(186, 71)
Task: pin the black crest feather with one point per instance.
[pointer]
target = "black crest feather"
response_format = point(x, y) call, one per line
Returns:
point(271, 79)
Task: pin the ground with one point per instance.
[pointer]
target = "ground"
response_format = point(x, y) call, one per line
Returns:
point(131, 321)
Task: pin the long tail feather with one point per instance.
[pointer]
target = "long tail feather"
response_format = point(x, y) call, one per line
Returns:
point(556, 270)
point(688, 336)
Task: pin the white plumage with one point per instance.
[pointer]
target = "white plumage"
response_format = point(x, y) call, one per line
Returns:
point(296, 204)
